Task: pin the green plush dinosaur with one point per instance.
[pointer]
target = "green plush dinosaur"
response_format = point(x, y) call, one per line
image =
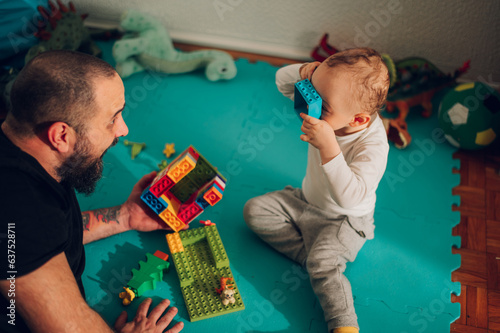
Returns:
point(147, 45)
point(62, 29)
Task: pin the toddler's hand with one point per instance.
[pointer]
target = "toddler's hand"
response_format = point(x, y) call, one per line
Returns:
point(306, 70)
point(321, 135)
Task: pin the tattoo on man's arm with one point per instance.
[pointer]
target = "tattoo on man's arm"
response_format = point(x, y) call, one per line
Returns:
point(103, 215)
point(86, 220)
point(108, 215)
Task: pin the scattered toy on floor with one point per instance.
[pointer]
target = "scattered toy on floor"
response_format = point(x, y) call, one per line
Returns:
point(149, 273)
point(417, 80)
point(62, 29)
point(162, 165)
point(169, 149)
point(136, 147)
point(469, 115)
point(207, 223)
point(226, 291)
point(323, 50)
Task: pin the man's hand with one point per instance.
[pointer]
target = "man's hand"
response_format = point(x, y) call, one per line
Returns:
point(134, 214)
point(139, 216)
point(154, 323)
point(306, 70)
point(321, 135)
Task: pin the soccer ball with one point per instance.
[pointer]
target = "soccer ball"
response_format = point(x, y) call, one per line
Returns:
point(469, 115)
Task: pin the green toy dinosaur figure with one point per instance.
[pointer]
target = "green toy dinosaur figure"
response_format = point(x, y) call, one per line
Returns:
point(147, 45)
point(414, 81)
point(62, 29)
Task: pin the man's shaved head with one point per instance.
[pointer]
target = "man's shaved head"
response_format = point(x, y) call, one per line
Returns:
point(55, 86)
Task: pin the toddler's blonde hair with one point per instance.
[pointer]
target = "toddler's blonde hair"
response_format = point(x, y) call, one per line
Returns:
point(371, 76)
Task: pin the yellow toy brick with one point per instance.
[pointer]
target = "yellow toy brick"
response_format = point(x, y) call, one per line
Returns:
point(171, 202)
point(181, 168)
point(172, 220)
point(175, 243)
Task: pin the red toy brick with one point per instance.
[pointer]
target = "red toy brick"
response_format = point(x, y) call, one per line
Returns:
point(161, 255)
point(161, 186)
point(187, 213)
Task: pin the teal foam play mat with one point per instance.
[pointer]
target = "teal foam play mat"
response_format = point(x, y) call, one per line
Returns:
point(401, 280)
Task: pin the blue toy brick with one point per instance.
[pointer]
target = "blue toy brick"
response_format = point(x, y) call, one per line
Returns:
point(152, 202)
point(202, 202)
point(306, 96)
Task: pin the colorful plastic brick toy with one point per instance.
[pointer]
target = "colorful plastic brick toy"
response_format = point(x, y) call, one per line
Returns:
point(182, 190)
point(307, 100)
point(202, 266)
point(146, 277)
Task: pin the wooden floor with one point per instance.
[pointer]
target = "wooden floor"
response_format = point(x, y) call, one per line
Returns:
point(479, 274)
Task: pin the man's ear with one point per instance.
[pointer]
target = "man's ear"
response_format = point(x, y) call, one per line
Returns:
point(61, 136)
point(360, 119)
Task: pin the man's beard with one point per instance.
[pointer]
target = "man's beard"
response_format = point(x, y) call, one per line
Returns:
point(81, 170)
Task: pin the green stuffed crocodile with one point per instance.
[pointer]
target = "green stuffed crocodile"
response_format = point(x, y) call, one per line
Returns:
point(147, 45)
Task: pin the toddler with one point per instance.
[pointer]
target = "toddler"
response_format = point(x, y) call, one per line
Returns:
point(326, 222)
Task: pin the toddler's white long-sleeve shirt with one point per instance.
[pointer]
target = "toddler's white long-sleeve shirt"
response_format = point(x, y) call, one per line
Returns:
point(345, 185)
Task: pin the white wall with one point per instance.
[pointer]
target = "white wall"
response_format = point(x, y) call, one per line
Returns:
point(445, 32)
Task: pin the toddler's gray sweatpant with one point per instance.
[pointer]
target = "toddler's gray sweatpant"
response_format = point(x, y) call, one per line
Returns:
point(322, 242)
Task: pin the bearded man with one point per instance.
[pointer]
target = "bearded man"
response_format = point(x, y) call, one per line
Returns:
point(66, 111)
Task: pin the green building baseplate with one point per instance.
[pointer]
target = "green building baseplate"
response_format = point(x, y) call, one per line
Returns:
point(201, 261)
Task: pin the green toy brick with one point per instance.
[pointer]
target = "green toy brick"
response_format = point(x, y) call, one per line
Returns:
point(205, 260)
point(153, 266)
point(141, 282)
point(203, 172)
point(216, 247)
point(183, 269)
point(184, 189)
point(192, 236)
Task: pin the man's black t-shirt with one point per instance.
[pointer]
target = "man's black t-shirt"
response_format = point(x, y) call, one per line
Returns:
point(39, 219)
